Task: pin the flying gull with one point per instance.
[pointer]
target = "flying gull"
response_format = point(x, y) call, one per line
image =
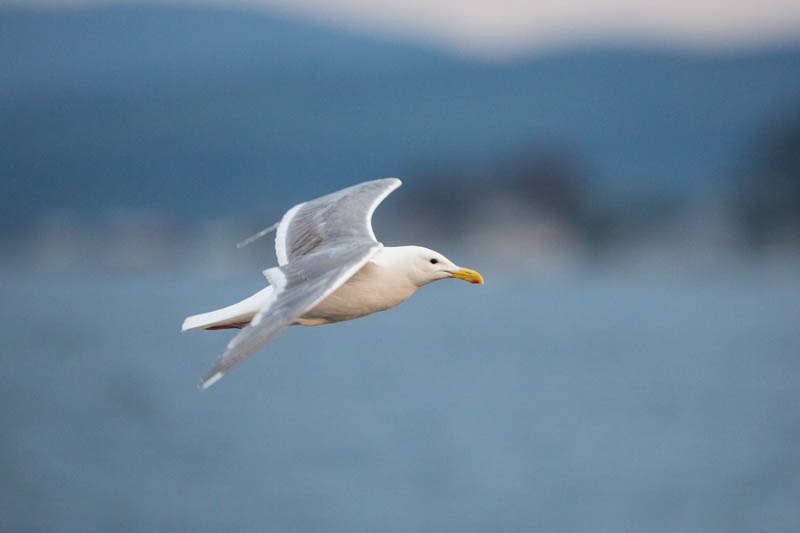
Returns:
point(331, 268)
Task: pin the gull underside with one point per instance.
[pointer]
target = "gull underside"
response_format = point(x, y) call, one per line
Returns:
point(367, 292)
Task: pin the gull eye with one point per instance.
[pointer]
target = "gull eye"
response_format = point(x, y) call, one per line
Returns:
point(434, 261)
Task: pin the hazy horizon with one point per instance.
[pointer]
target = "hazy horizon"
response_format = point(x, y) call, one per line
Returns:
point(511, 28)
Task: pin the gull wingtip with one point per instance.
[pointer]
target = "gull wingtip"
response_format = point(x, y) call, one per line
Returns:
point(210, 380)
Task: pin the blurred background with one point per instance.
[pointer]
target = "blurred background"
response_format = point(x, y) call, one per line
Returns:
point(625, 175)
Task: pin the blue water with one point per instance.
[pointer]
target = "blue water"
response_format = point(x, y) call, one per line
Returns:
point(572, 404)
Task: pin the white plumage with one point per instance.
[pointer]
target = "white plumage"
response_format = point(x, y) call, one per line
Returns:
point(331, 269)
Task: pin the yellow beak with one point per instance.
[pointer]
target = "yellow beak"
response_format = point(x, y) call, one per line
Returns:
point(467, 275)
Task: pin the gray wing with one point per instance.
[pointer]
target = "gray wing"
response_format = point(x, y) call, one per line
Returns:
point(343, 216)
point(320, 245)
point(298, 287)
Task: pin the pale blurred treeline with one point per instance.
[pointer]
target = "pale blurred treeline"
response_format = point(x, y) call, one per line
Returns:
point(538, 209)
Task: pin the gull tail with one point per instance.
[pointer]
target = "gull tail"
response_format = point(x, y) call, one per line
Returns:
point(237, 315)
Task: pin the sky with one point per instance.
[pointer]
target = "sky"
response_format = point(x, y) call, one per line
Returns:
point(505, 28)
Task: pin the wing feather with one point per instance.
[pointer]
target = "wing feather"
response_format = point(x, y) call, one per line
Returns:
point(344, 215)
point(299, 286)
point(320, 244)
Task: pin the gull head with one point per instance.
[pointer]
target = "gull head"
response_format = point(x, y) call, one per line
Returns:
point(423, 266)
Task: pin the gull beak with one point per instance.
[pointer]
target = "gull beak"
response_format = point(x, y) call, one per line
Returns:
point(467, 275)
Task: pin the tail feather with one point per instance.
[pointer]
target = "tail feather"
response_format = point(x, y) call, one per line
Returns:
point(237, 315)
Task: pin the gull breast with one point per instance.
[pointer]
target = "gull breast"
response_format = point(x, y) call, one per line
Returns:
point(373, 288)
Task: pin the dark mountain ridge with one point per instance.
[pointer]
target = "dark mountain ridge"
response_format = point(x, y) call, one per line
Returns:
point(198, 112)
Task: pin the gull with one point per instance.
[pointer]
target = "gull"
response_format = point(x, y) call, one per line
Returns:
point(331, 268)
